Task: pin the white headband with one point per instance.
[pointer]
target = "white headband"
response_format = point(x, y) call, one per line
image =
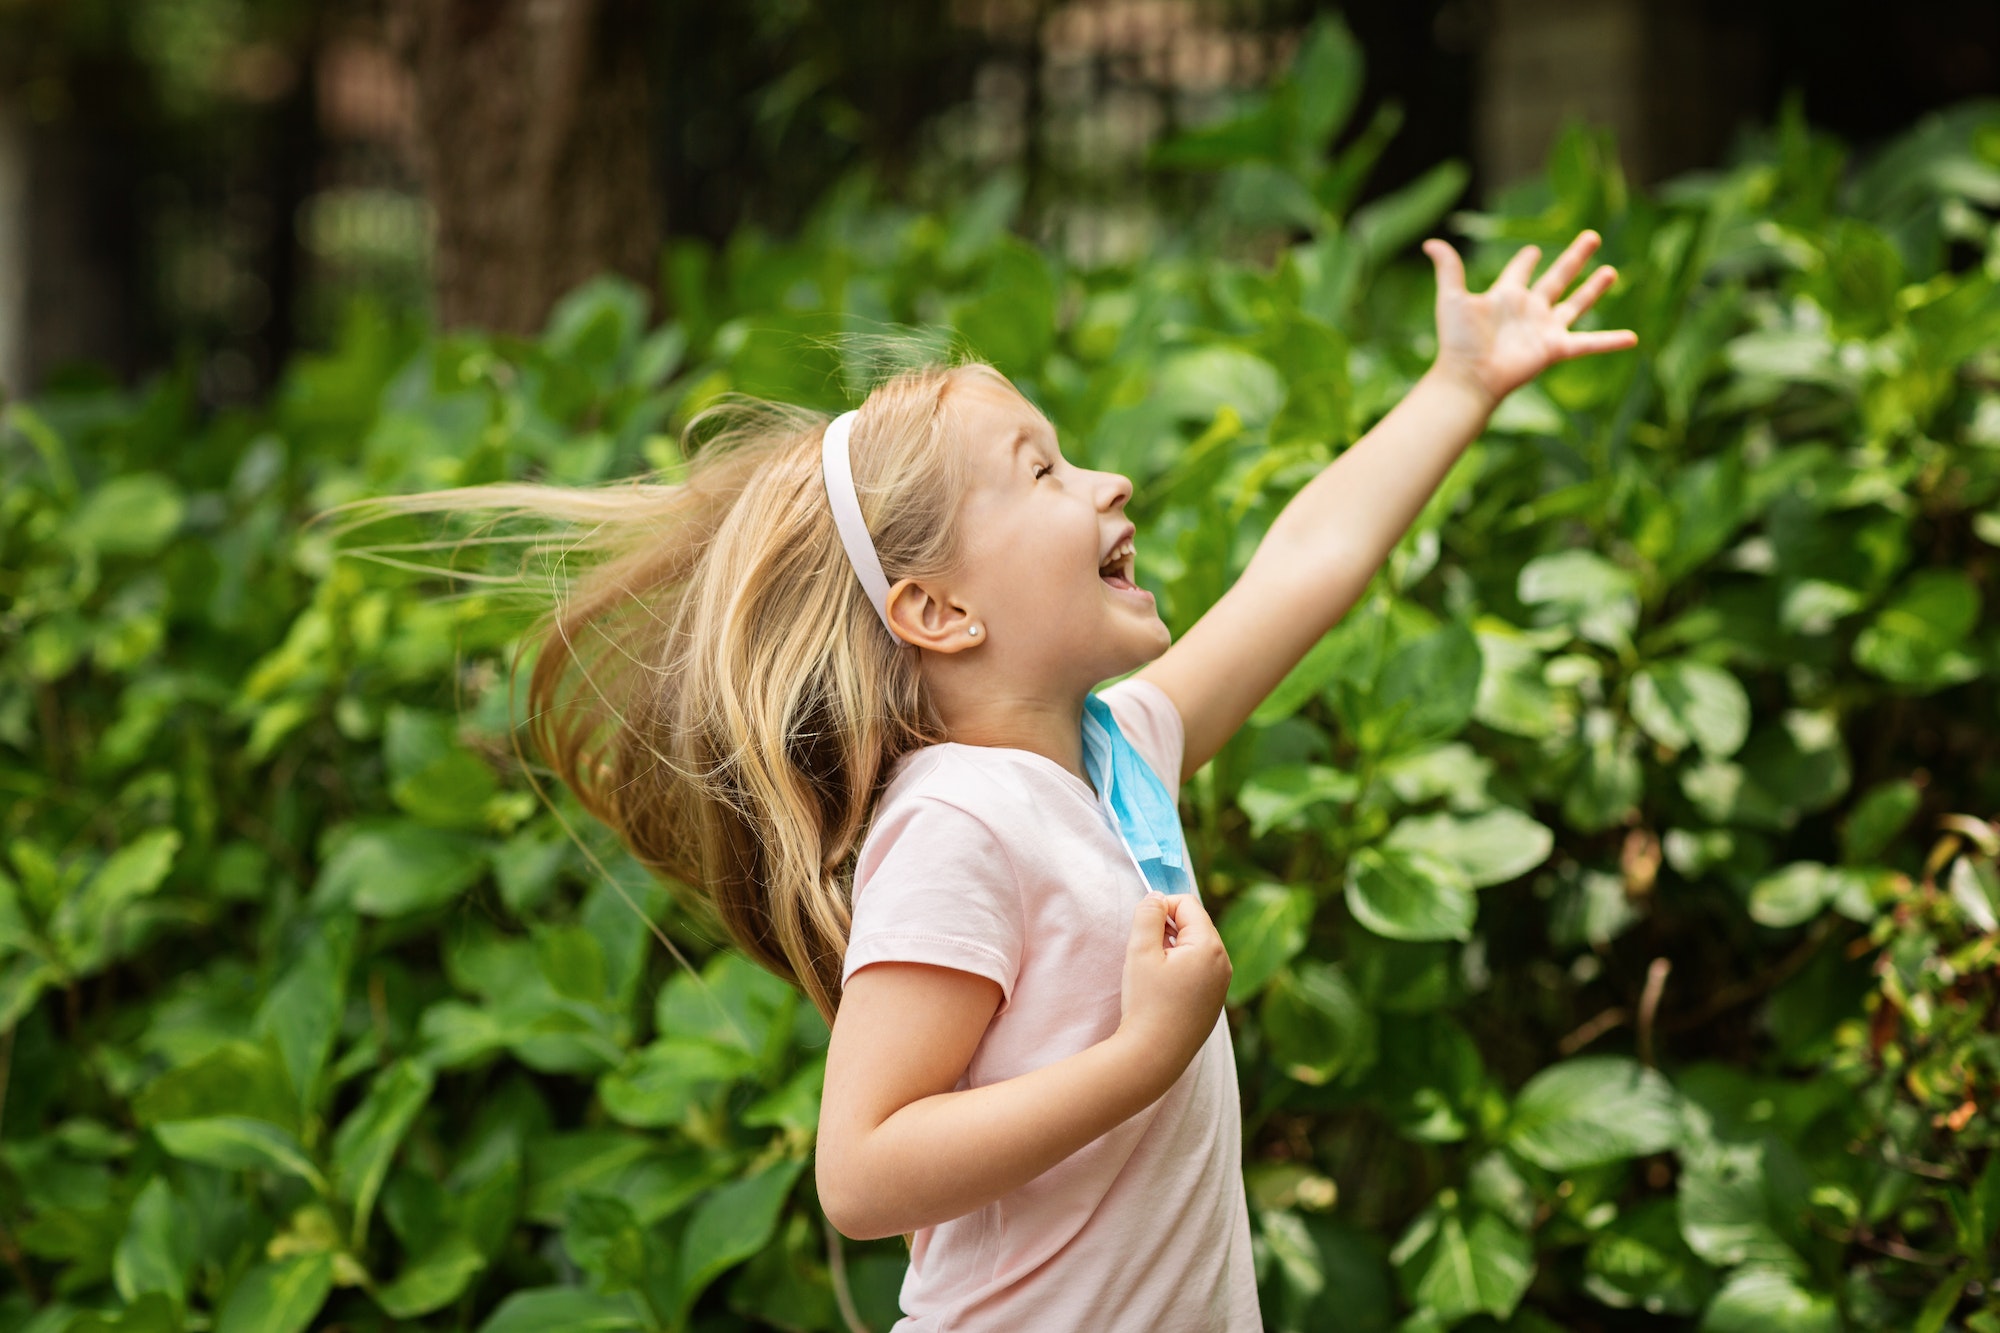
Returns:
point(839, 474)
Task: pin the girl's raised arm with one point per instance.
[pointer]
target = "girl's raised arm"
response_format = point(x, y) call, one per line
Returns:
point(1326, 544)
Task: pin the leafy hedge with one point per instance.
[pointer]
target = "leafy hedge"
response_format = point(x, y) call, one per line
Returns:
point(1611, 894)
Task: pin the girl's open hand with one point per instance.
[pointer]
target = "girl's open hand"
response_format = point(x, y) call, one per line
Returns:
point(1499, 339)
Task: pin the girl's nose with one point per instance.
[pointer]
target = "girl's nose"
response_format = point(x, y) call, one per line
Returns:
point(1117, 490)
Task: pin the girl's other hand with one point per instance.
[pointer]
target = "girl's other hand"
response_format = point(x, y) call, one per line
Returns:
point(1497, 340)
point(1176, 974)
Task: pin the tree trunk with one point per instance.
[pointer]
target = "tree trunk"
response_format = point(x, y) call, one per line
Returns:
point(531, 131)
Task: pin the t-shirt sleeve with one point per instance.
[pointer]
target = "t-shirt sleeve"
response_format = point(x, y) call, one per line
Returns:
point(1151, 722)
point(934, 885)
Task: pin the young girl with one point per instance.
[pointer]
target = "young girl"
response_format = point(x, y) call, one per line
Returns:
point(871, 643)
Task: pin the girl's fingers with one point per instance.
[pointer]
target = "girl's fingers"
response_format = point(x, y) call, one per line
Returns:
point(1450, 268)
point(1607, 340)
point(1519, 267)
point(1149, 924)
point(1586, 296)
point(1551, 285)
point(1186, 913)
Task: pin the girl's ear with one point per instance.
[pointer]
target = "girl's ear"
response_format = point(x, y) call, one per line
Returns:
point(925, 615)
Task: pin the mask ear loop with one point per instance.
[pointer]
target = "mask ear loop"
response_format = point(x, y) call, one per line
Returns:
point(837, 470)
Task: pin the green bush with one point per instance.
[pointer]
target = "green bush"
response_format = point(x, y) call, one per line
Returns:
point(1613, 912)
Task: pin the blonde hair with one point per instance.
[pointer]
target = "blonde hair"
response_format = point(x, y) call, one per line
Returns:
point(714, 685)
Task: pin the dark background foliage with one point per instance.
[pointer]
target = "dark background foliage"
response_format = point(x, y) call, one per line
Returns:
point(208, 181)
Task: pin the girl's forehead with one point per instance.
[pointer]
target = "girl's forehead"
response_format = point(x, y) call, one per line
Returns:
point(992, 415)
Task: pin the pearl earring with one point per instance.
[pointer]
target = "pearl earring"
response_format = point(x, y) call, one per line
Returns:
point(973, 630)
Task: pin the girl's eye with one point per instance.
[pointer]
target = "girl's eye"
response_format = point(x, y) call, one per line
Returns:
point(1042, 470)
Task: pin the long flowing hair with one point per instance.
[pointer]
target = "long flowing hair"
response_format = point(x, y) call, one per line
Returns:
point(712, 681)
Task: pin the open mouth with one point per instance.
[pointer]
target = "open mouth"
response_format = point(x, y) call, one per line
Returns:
point(1117, 567)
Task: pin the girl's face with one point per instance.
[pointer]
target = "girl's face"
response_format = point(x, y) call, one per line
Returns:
point(1047, 569)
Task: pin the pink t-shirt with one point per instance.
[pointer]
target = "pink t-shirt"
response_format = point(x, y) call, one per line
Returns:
point(1003, 863)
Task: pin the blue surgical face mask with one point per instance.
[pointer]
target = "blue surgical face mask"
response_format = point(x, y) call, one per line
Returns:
point(1137, 800)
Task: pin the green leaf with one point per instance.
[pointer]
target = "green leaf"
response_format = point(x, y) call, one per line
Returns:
point(1919, 637)
point(1983, 1214)
point(983, 219)
point(1514, 695)
point(238, 1143)
point(604, 1239)
point(398, 868)
point(1428, 689)
point(1802, 764)
point(302, 1011)
point(733, 1223)
point(1012, 321)
point(1327, 74)
point(1732, 1212)
point(1489, 848)
point(597, 324)
point(1684, 702)
point(1795, 894)
point(452, 791)
point(17, 930)
point(158, 1248)
point(1756, 1300)
point(1256, 133)
point(564, 1310)
point(658, 355)
point(1317, 409)
point(526, 866)
point(1974, 887)
point(1937, 1307)
point(153, 1312)
point(1609, 781)
point(367, 1140)
point(1590, 909)
point(572, 961)
point(133, 514)
point(1195, 385)
point(22, 981)
point(1786, 771)
point(1261, 194)
point(1454, 1271)
point(1322, 662)
point(84, 926)
point(230, 1078)
point(1640, 1261)
point(731, 1002)
point(1288, 1242)
point(433, 1280)
point(281, 1297)
point(1276, 797)
point(1815, 606)
point(1591, 1110)
point(1384, 227)
point(660, 1084)
point(1454, 773)
point(794, 1106)
point(1585, 591)
point(603, 1160)
point(1318, 1026)
point(1264, 927)
point(1409, 895)
point(1883, 811)
point(456, 1034)
point(1528, 411)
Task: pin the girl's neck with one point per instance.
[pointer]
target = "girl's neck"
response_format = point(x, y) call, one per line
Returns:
point(1049, 728)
